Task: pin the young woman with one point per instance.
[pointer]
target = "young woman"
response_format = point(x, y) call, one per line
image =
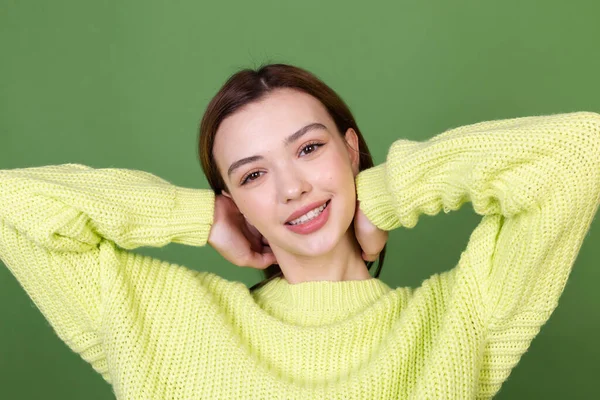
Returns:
point(294, 192)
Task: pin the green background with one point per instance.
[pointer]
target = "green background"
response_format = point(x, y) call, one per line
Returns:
point(124, 84)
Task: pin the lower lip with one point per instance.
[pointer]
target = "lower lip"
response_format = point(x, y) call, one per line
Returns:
point(312, 225)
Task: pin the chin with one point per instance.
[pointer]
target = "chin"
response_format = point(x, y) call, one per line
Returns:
point(322, 243)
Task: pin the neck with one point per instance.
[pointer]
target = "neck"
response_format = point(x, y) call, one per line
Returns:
point(343, 263)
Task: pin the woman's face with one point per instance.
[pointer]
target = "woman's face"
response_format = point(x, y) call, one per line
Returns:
point(282, 154)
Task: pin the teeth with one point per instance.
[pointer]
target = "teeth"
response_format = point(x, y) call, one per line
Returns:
point(309, 215)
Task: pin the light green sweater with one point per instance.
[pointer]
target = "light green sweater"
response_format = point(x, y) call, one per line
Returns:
point(156, 330)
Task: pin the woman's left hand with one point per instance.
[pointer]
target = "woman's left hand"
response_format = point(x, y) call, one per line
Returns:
point(371, 239)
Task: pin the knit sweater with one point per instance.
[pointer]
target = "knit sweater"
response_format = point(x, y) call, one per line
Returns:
point(156, 330)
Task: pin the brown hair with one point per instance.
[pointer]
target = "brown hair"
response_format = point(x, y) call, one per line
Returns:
point(247, 86)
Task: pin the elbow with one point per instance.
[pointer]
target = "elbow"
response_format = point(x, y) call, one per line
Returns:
point(581, 133)
point(587, 157)
point(591, 128)
point(574, 167)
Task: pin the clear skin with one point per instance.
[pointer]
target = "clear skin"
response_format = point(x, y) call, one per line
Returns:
point(249, 223)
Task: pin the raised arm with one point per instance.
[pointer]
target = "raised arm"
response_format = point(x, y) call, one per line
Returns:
point(59, 231)
point(71, 207)
point(536, 181)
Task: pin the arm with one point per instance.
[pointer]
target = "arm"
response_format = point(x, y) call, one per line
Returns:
point(71, 207)
point(58, 230)
point(536, 181)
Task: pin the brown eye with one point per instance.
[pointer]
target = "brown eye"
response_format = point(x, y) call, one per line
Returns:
point(311, 148)
point(251, 177)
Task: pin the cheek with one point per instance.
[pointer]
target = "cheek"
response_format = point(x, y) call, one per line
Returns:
point(345, 188)
point(339, 181)
point(258, 209)
point(334, 169)
point(339, 174)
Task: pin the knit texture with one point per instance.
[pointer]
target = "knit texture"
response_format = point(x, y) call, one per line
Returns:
point(156, 330)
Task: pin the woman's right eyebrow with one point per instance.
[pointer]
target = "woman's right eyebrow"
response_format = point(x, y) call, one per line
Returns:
point(290, 139)
point(241, 162)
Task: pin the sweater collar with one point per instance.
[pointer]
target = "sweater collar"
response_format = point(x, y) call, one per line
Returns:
point(329, 301)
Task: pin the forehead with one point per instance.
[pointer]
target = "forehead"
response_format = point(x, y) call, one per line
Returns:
point(261, 125)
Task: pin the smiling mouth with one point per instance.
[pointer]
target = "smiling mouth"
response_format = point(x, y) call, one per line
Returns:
point(308, 216)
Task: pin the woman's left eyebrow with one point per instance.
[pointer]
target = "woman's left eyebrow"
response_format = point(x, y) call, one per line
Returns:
point(298, 134)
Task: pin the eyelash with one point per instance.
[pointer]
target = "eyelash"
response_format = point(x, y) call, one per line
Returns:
point(316, 144)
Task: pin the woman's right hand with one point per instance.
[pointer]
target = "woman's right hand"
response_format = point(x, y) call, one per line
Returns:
point(236, 239)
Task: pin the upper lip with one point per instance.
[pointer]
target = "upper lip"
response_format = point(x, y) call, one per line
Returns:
point(301, 211)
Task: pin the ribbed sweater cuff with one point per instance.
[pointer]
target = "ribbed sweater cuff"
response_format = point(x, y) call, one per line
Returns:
point(376, 201)
point(192, 215)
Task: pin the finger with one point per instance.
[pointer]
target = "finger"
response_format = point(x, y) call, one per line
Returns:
point(252, 237)
point(252, 229)
point(261, 260)
point(369, 257)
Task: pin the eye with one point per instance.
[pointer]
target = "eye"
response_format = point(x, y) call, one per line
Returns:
point(311, 147)
point(251, 176)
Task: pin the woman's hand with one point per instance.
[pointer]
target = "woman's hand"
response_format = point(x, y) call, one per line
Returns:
point(371, 239)
point(237, 240)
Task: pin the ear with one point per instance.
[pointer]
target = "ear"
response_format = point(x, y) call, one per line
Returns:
point(351, 138)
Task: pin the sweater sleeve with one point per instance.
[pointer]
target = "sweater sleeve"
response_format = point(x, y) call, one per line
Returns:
point(536, 182)
point(58, 223)
point(71, 207)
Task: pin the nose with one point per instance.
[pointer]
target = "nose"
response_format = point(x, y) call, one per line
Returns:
point(291, 184)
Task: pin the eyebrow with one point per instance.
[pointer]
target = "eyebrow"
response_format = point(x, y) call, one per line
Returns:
point(288, 140)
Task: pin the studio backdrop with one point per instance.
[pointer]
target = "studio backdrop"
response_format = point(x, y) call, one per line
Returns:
point(124, 83)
